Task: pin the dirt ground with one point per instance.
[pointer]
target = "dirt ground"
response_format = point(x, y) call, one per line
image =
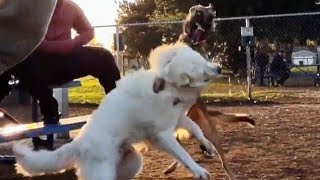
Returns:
point(284, 145)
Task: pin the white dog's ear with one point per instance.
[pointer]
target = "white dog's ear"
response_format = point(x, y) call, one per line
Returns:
point(158, 85)
point(184, 79)
point(173, 75)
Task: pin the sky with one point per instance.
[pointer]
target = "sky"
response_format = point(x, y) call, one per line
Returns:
point(100, 13)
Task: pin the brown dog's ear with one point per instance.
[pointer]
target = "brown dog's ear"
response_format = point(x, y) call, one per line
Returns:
point(158, 85)
point(210, 6)
point(193, 11)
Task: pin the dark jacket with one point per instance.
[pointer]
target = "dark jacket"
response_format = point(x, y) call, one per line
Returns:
point(278, 65)
point(262, 59)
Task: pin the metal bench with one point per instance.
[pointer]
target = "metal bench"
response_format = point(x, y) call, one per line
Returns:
point(32, 130)
point(36, 129)
point(61, 94)
point(314, 75)
point(270, 78)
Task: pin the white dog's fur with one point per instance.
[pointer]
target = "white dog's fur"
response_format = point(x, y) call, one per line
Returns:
point(133, 112)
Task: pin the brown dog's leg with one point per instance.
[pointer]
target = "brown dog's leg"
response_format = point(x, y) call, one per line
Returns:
point(172, 167)
point(204, 119)
point(199, 115)
point(232, 117)
point(196, 116)
point(207, 121)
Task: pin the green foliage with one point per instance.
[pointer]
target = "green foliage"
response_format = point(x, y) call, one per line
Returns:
point(138, 39)
point(225, 41)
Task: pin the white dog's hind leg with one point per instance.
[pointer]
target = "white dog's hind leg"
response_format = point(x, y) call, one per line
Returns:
point(130, 164)
point(189, 125)
point(167, 142)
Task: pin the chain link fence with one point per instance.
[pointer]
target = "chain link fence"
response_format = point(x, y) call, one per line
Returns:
point(284, 52)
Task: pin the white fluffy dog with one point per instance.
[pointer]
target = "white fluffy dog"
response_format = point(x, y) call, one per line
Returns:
point(146, 106)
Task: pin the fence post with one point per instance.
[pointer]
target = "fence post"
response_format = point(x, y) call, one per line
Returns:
point(118, 46)
point(248, 58)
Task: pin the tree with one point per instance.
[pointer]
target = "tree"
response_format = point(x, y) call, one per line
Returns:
point(226, 40)
point(138, 39)
point(169, 11)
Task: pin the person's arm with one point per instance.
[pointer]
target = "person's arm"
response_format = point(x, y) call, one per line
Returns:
point(83, 27)
point(57, 46)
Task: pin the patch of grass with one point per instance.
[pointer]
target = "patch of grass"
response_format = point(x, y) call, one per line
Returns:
point(309, 69)
point(217, 92)
point(91, 92)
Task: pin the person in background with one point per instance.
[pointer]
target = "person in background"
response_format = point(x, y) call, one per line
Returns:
point(279, 67)
point(60, 59)
point(262, 60)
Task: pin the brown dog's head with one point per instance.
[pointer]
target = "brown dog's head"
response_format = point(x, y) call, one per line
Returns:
point(199, 23)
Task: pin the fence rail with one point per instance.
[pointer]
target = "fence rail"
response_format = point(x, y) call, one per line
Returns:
point(216, 19)
point(272, 33)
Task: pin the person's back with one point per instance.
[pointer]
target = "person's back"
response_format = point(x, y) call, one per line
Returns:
point(278, 64)
point(279, 67)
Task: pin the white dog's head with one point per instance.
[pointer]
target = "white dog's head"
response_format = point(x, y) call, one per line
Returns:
point(181, 66)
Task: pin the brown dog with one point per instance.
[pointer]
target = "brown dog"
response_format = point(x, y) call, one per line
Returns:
point(197, 26)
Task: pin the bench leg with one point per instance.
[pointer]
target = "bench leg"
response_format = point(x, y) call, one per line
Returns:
point(317, 80)
point(61, 94)
point(50, 142)
point(7, 159)
point(36, 141)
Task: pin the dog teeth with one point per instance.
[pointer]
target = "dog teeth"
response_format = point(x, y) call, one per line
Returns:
point(200, 28)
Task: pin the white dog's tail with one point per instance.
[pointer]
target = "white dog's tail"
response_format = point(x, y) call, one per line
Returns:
point(34, 163)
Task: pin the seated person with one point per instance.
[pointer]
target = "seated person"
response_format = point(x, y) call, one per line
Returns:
point(279, 68)
point(60, 59)
point(262, 60)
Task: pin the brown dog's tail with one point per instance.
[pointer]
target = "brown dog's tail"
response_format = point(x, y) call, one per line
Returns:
point(232, 118)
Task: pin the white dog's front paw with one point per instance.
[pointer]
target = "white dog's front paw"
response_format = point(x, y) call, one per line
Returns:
point(200, 173)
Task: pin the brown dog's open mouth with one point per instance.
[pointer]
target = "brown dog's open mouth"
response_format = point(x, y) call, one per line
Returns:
point(198, 34)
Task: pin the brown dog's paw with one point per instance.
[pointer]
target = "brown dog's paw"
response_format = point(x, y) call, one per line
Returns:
point(172, 167)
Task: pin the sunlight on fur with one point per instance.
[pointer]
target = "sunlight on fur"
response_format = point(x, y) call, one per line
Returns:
point(159, 57)
point(182, 134)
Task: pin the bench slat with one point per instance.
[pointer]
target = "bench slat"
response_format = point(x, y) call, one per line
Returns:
point(74, 83)
point(18, 132)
